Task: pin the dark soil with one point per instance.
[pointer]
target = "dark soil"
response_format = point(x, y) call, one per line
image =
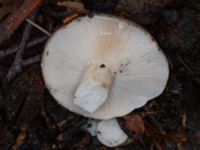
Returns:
point(30, 119)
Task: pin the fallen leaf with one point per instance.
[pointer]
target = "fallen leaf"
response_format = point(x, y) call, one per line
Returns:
point(75, 7)
point(134, 123)
point(154, 133)
point(176, 137)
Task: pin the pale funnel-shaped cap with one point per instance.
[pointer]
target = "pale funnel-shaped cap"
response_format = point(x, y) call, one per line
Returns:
point(136, 70)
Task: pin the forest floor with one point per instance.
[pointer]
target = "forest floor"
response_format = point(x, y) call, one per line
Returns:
point(30, 119)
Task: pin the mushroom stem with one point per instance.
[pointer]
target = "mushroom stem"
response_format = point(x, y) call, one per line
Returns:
point(110, 133)
point(94, 86)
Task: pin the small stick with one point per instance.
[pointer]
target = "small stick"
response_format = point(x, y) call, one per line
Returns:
point(38, 27)
point(31, 60)
point(37, 41)
point(20, 138)
point(8, 26)
point(70, 17)
point(17, 64)
point(184, 64)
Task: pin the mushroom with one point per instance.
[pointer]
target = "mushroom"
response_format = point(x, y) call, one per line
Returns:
point(91, 126)
point(110, 134)
point(103, 67)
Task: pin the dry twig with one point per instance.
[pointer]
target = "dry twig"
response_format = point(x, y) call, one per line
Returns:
point(37, 41)
point(20, 138)
point(8, 26)
point(17, 64)
point(184, 64)
point(32, 60)
point(38, 27)
point(70, 17)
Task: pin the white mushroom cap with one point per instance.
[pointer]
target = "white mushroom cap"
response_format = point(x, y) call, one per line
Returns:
point(126, 50)
point(110, 134)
